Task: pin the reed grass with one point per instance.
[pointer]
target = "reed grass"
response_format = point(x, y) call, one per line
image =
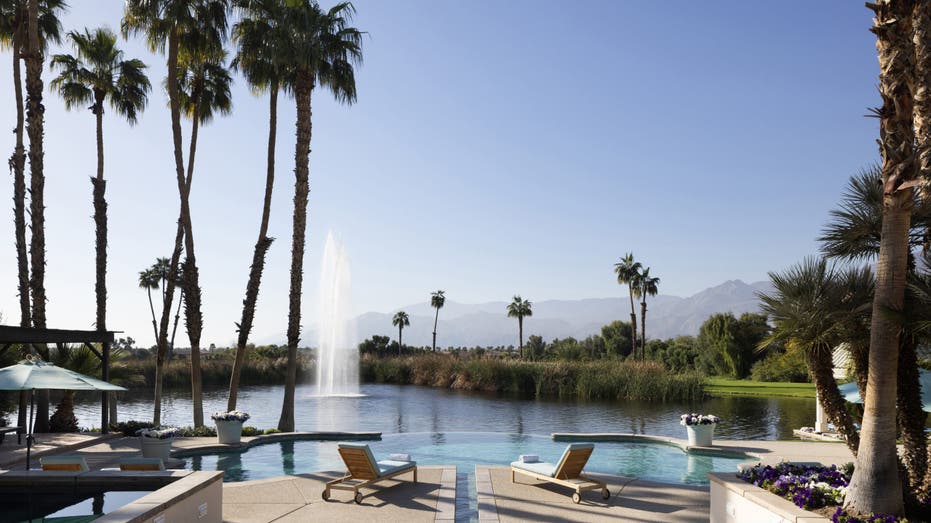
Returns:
point(604, 379)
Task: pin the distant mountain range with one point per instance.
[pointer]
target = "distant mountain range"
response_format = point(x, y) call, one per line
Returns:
point(486, 324)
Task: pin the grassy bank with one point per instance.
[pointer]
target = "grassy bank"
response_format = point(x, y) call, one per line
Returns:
point(606, 379)
point(729, 387)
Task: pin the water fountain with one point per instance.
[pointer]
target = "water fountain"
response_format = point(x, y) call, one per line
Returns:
point(337, 353)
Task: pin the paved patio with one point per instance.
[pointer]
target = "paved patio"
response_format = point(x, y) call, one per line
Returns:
point(435, 497)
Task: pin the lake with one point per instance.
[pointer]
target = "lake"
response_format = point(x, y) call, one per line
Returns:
point(409, 408)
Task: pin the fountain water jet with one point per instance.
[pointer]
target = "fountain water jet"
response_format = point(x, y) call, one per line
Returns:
point(337, 354)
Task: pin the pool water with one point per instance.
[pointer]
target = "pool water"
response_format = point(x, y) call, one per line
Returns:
point(649, 461)
point(36, 506)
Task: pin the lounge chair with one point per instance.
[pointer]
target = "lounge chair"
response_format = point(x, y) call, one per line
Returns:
point(68, 463)
point(142, 464)
point(567, 472)
point(364, 471)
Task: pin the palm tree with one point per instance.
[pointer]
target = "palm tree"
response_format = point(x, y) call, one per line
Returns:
point(13, 35)
point(875, 485)
point(203, 90)
point(437, 300)
point(520, 309)
point(807, 308)
point(173, 27)
point(854, 234)
point(261, 36)
point(646, 286)
point(324, 50)
point(149, 280)
point(400, 321)
point(96, 75)
point(627, 271)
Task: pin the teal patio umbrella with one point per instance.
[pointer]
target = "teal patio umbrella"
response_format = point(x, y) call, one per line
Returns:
point(851, 393)
point(38, 375)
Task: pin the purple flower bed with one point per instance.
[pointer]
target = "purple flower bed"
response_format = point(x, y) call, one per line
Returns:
point(810, 487)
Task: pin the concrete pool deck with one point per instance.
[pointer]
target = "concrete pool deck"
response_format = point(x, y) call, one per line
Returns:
point(436, 497)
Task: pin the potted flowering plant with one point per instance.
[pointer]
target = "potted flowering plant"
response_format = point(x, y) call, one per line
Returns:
point(156, 441)
point(229, 425)
point(700, 428)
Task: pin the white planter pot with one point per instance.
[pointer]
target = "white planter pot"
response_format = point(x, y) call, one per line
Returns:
point(229, 431)
point(700, 435)
point(156, 448)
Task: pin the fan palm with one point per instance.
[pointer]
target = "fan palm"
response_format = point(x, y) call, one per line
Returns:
point(324, 51)
point(261, 37)
point(520, 309)
point(400, 321)
point(98, 75)
point(645, 286)
point(174, 27)
point(806, 308)
point(875, 484)
point(627, 271)
point(437, 300)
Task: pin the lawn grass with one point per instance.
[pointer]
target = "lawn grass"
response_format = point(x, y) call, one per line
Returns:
point(728, 387)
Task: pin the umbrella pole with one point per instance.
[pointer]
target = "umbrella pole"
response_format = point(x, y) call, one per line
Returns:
point(32, 405)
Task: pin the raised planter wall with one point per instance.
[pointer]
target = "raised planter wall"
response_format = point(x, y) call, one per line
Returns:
point(733, 500)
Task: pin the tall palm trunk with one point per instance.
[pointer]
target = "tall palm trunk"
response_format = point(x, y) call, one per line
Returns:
point(152, 310)
point(400, 342)
point(633, 322)
point(35, 122)
point(910, 415)
point(172, 82)
point(100, 220)
point(193, 318)
point(302, 95)
point(258, 256)
point(875, 485)
point(435, 320)
point(643, 328)
point(520, 334)
point(174, 325)
point(18, 164)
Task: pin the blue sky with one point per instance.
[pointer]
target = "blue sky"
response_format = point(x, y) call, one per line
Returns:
point(496, 148)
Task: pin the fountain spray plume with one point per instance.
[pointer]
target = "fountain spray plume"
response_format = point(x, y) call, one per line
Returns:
point(337, 353)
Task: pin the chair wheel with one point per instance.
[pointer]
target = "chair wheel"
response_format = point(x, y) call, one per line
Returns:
point(605, 493)
point(576, 498)
point(358, 498)
point(326, 495)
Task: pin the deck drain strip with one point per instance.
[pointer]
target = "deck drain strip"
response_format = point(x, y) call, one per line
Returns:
point(466, 505)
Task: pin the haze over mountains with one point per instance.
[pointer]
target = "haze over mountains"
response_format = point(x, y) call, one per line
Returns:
point(487, 324)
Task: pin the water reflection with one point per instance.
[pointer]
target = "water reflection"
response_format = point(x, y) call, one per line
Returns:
point(231, 465)
point(287, 456)
point(400, 409)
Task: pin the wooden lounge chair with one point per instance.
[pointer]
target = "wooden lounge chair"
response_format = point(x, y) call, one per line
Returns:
point(568, 472)
point(67, 463)
point(364, 471)
point(142, 464)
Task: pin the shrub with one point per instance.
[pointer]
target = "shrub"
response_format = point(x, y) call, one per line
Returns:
point(785, 366)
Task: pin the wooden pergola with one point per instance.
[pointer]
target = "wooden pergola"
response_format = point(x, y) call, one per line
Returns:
point(11, 335)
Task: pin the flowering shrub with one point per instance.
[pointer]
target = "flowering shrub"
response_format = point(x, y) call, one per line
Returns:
point(233, 415)
point(159, 432)
point(840, 516)
point(809, 487)
point(698, 419)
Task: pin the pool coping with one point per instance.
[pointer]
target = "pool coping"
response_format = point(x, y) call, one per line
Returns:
point(195, 448)
point(645, 438)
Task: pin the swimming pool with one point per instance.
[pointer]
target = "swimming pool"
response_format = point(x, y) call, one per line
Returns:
point(645, 460)
point(73, 505)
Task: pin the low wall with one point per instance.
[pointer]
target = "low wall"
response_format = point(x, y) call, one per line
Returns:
point(177, 495)
point(734, 500)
